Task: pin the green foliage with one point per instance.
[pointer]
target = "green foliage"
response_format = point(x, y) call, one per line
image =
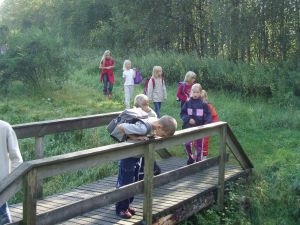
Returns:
point(268, 132)
point(34, 58)
point(245, 31)
point(277, 82)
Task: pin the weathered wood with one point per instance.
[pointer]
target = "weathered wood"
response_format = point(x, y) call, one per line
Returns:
point(30, 198)
point(237, 150)
point(184, 210)
point(148, 184)
point(39, 129)
point(165, 197)
point(13, 183)
point(86, 159)
point(42, 168)
point(39, 154)
point(221, 180)
point(164, 153)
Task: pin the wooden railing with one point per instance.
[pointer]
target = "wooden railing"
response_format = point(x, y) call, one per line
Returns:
point(28, 175)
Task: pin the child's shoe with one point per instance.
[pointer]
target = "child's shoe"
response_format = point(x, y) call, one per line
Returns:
point(132, 210)
point(190, 161)
point(125, 214)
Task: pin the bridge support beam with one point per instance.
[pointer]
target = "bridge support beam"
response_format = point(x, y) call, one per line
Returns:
point(221, 180)
point(148, 184)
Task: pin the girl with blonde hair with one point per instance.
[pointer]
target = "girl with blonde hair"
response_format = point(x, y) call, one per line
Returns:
point(184, 88)
point(156, 91)
point(107, 76)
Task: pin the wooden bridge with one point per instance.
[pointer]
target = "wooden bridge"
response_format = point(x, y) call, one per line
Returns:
point(168, 198)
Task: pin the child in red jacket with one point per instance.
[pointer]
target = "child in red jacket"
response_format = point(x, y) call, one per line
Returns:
point(184, 88)
point(214, 117)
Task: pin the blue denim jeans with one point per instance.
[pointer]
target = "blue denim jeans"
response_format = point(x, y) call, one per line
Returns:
point(157, 106)
point(127, 174)
point(107, 86)
point(4, 214)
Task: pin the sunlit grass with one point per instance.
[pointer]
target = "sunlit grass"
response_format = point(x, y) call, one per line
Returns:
point(268, 133)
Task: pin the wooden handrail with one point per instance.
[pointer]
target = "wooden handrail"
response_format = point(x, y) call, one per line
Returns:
point(35, 170)
point(40, 129)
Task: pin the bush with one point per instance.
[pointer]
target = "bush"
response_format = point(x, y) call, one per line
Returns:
point(36, 59)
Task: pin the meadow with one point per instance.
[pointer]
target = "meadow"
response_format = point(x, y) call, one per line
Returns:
point(269, 133)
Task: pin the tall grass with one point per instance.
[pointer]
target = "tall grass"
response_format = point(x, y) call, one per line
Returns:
point(268, 132)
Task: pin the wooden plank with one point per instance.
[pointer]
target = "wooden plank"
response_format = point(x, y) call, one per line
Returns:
point(161, 195)
point(148, 185)
point(30, 198)
point(39, 129)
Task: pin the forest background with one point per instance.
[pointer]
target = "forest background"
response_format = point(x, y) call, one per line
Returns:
point(245, 48)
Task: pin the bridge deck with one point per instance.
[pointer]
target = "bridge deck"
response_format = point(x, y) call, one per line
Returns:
point(166, 198)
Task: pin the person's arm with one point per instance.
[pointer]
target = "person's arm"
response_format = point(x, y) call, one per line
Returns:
point(133, 129)
point(206, 114)
point(165, 90)
point(213, 112)
point(150, 89)
point(184, 115)
point(13, 149)
point(124, 77)
point(112, 65)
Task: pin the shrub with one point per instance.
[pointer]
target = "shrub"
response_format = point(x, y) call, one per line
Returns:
point(36, 59)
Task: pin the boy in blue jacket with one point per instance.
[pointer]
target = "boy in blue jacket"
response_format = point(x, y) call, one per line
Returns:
point(140, 130)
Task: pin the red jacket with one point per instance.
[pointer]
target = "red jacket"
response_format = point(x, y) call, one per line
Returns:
point(215, 118)
point(109, 72)
point(183, 91)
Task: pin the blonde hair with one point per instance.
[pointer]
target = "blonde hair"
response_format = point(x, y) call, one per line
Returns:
point(126, 61)
point(106, 52)
point(204, 96)
point(189, 76)
point(168, 124)
point(196, 86)
point(155, 71)
point(140, 100)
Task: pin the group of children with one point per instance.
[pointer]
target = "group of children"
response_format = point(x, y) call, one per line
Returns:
point(156, 90)
point(195, 110)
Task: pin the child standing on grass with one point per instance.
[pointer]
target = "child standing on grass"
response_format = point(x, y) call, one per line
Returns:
point(214, 117)
point(107, 76)
point(184, 89)
point(142, 101)
point(195, 112)
point(163, 127)
point(157, 92)
point(128, 79)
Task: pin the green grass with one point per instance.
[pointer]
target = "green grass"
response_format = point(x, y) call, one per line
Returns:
point(269, 134)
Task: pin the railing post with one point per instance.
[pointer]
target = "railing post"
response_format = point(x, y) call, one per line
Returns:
point(221, 180)
point(39, 154)
point(148, 184)
point(30, 198)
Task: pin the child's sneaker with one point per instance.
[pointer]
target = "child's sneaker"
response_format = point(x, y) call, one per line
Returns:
point(132, 210)
point(204, 157)
point(190, 161)
point(125, 214)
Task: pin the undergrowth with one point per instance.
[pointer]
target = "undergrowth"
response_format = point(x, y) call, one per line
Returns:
point(268, 132)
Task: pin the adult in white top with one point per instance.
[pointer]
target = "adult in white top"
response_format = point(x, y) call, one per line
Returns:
point(10, 158)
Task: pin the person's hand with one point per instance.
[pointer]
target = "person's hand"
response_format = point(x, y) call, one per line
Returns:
point(192, 122)
point(137, 138)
